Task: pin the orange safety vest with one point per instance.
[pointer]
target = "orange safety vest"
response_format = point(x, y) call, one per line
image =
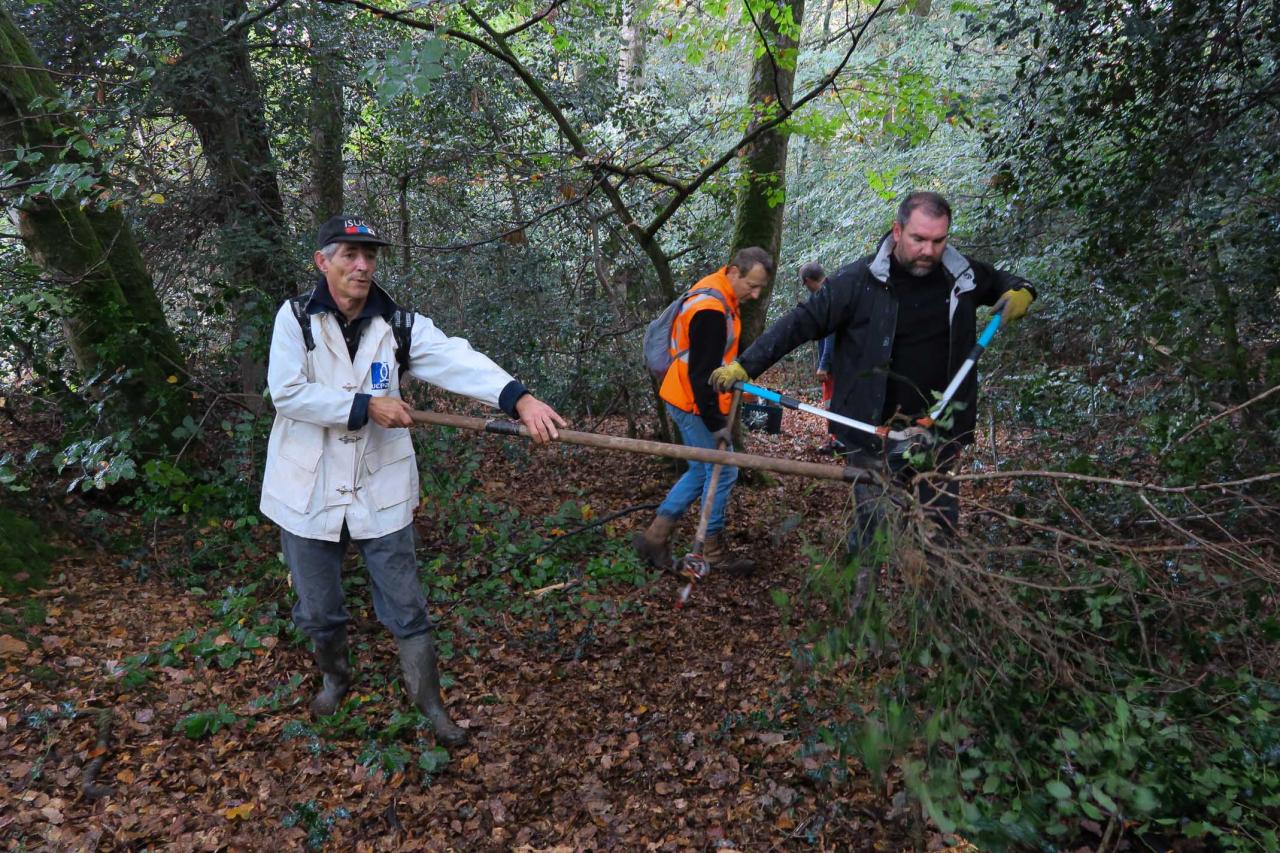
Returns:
point(676, 389)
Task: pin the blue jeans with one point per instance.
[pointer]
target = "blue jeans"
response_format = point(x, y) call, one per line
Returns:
point(316, 568)
point(692, 485)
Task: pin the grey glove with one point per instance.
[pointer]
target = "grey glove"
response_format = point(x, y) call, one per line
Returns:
point(724, 436)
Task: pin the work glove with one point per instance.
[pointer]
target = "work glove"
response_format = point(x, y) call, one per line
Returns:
point(723, 437)
point(722, 378)
point(1012, 305)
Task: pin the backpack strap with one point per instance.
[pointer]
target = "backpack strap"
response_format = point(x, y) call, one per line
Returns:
point(683, 355)
point(402, 328)
point(299, 306)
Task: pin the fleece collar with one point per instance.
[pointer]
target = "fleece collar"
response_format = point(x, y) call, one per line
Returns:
point(956, 265)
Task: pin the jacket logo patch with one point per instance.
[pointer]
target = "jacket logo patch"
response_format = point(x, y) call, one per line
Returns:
point(381, 374)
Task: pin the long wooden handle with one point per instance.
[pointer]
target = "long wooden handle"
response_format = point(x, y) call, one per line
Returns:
point(816, 470)
point(709, 495)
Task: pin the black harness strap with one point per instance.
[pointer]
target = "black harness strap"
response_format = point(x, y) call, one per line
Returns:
point(299, 305)
point(401, 327)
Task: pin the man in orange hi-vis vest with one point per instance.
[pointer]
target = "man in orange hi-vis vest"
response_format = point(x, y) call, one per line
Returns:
point(704, 336)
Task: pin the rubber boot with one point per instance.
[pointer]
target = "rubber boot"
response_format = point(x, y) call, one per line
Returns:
point(422, 680)
point(721, 559)
point(652, 545)
point(331, 657)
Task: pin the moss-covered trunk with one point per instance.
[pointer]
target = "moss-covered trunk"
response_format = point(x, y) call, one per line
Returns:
point(764, 163)
point(213, 86)
point(114, 321)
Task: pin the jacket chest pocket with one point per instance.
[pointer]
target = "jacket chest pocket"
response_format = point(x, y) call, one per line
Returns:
point(391, 471)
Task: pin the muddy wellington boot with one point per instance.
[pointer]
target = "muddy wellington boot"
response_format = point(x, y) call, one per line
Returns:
point(652, 545)
point(717, 554)
point(332, 659)
point(422, 681)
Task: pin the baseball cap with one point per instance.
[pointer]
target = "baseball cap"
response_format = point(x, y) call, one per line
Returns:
point(344, 228)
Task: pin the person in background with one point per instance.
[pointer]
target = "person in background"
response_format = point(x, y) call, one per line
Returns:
point(813, 277)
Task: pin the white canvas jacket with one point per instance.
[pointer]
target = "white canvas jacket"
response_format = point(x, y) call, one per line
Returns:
point(320, 474)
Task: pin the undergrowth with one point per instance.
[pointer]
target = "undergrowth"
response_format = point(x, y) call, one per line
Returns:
point(1094, 662)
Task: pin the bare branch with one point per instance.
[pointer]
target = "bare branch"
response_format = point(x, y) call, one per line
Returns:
point(1108, 481)
point(1186, 435)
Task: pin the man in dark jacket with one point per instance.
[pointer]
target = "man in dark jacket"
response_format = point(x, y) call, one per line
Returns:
point(904, 319)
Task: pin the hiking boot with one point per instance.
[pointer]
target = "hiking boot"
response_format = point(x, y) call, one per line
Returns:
point(422, 681)
point(331, 657)
point(721, 559)
point(652, 545)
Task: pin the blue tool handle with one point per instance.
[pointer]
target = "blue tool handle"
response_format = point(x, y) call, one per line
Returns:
point(763, 393)
point(989, 332)
point(771, 396)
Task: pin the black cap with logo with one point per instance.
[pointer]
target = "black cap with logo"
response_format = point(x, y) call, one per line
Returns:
point(348, 229)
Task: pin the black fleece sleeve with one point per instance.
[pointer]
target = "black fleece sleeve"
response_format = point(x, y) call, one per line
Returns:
point(707, 339)
point(813, 320)
point(993, 283)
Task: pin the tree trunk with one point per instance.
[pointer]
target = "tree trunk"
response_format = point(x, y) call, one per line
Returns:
point(1235, 355)
point(764, 164)
point(214, 88)
point(113, 318)
point(326, 115)
point(631, 56)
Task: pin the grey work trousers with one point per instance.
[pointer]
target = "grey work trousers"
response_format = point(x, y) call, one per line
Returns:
point(874, 504)
point(316, 568)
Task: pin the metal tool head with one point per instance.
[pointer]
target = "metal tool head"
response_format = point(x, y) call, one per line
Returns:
point(916, 440)
point(694, 567)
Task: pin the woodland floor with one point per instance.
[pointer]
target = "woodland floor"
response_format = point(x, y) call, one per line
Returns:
point(636, 727)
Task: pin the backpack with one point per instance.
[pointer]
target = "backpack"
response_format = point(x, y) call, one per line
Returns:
point(401, 327)
point(658, 342)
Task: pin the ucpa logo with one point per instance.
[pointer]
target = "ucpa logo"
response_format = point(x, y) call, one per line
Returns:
point(381, 375)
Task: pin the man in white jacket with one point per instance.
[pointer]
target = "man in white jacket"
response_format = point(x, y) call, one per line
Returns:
point(340, 461)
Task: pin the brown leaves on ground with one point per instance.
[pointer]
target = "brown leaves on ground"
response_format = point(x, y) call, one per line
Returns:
point(666, 730)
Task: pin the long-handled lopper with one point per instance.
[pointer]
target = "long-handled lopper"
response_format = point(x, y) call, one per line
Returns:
point(693, 565)
point(907, 439)
point(793, 403)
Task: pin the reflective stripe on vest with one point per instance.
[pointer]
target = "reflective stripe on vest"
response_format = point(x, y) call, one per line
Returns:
point(730, 329)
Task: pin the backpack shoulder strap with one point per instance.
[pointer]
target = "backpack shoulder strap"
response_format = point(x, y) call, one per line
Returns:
point(728, 315)
point(728, 318)
point(402, 328)
point(299, 306)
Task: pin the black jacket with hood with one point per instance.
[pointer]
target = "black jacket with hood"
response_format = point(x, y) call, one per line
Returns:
point(860, 307)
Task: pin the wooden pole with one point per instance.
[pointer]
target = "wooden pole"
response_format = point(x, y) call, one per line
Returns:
point(816, 470)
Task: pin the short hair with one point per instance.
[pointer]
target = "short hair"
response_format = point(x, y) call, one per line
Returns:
point(931, 203)
point(745, 260)
point(331, 249)
point(812, 271)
